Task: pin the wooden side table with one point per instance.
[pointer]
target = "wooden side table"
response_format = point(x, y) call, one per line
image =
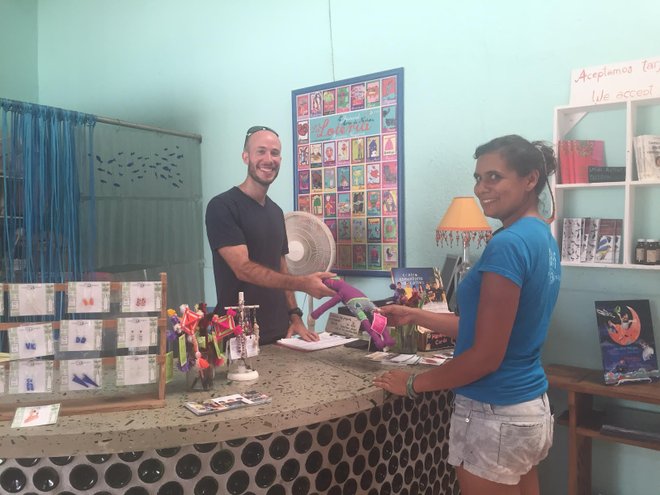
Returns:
point(584, 423)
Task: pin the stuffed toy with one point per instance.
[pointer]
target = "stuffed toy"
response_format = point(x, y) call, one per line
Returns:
point(360, 306)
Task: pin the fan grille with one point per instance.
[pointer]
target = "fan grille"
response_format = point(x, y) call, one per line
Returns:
point(311, 244)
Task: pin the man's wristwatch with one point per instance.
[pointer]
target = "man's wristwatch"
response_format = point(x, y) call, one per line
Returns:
point(296, 311)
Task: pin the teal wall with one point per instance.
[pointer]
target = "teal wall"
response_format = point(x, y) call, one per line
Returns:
point(18, 50)
point(473, 70)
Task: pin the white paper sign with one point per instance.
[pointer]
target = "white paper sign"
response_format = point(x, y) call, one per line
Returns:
point(141, 296)
point(81, 374)
point(348, 326)
point(28, 377)
point(31, 341)
point(31, 299)
point(134, 370)
point(136, 332)
point(88, 297)
point(81, 335)
point(620, 81)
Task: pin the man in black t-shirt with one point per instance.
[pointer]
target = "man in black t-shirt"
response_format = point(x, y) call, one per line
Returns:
point(247, 236)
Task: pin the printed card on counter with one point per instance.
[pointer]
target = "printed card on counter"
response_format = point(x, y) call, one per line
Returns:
point(392, 358)
point(36, 416)
point(227, 402)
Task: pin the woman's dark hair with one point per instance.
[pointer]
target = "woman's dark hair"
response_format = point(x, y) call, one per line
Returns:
point(523, 156)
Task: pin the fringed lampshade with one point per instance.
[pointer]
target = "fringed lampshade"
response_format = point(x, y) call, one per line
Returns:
point(463, 222)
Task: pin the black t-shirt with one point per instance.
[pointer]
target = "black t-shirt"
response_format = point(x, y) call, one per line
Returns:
point(233, 218)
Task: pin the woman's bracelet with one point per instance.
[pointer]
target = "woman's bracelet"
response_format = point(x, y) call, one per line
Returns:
point(410, 388)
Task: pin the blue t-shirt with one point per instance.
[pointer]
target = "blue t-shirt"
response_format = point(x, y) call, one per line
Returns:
point(527, 254)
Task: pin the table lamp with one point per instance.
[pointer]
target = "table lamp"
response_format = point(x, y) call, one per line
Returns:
point(463, 222)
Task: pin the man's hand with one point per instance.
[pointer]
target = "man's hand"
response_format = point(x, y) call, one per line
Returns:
point(298, 327)
point(314, 286)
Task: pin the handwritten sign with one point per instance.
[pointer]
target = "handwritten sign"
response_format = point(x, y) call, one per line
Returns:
point(348, 326)
point(610, 83)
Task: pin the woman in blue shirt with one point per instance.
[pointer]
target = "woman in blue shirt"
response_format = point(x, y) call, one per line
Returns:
point(501, 427)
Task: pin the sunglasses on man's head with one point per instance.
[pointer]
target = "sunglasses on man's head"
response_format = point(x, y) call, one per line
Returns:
point(257, 128)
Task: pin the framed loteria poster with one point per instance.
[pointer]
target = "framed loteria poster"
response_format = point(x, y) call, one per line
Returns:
point(348, 167)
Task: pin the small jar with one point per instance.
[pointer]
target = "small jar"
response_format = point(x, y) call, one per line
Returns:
point(640, 252)
point(651, 252)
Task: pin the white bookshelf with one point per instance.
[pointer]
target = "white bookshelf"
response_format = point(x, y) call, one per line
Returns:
point(566, 118)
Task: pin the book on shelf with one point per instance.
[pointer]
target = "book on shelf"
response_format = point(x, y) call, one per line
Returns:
point(575, 158)
point(227, 402)
point(591, 240)
point(588, 244)
point(608, 237)
point(647, 156)
point(571, 239)
point(627, 344)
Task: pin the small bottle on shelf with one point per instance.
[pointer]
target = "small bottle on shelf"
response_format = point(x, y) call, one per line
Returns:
point(640, 252)
point(651, 252)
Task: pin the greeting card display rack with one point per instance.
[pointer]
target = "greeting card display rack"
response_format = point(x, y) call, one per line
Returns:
point(101, 402)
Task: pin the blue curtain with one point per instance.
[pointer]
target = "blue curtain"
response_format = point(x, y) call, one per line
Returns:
point(43, 150)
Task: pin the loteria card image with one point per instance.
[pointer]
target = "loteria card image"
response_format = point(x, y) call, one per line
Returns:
point(302, 131)
point(302, 105)
point(344, 229)
point(303, 181)
point(389, 174)
point(304, 203)
point(373, 94)
point(373, 176)
point(317, 104)
point(343, 99)
point(329, 96)
point(389, 147)
point(358, 92)
point(303, 156)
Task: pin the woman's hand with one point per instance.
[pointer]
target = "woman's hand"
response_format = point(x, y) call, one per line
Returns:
point(397, 314)
point(393, 381)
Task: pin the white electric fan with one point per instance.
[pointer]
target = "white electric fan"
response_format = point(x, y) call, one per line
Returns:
point(311, 249)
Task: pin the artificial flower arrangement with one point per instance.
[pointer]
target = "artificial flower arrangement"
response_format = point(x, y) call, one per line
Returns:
point(200, 336)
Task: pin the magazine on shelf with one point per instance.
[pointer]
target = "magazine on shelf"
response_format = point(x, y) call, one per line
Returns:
point(647, 157)
point(227, 402)
point(627, 344)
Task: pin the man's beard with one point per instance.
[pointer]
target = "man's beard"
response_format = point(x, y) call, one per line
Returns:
point(252, 172)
